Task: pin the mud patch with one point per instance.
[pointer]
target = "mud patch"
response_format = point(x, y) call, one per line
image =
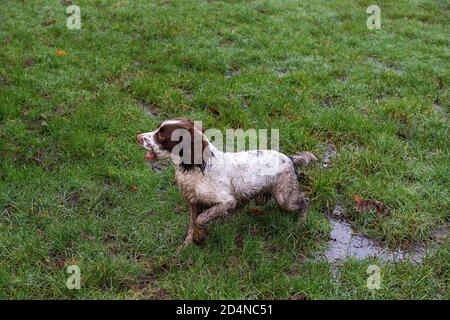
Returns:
point(329, 155)
point(150, 111)
point(384, 66)
point(232, 73)
point(330, 101)
point(245, 102)
point(160, 165)
point(281, 73)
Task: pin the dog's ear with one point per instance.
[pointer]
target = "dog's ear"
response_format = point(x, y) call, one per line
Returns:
point(198, 145)
point(189, 124)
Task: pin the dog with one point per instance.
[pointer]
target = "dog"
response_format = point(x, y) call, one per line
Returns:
point(215, 183)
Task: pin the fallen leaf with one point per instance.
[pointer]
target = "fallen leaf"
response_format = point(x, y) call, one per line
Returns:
point(254, 231)
point(255, 211)
point(365, 205)
point(60, 52)
point(134, 188)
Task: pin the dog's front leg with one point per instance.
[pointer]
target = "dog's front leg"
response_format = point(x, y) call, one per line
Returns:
point(193, 214)
point(208, 216)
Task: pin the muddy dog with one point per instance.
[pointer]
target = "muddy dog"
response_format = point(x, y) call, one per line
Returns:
point(214, 183)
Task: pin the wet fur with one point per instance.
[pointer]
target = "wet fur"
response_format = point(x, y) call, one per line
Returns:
point(223, 180)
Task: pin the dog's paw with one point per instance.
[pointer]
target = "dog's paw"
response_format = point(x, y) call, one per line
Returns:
point(200, 235)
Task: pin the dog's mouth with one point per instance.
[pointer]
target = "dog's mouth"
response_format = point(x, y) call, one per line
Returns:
point(150, 155)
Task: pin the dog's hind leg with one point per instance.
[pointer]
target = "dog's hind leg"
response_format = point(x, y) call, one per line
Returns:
point(205, 219)
point(288, 195)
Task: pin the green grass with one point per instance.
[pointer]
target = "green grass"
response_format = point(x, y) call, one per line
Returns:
point(74, 188)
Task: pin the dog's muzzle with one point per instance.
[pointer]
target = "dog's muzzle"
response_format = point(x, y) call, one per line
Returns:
point(150, 154)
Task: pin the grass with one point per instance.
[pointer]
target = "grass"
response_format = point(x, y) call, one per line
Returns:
point(74, 188)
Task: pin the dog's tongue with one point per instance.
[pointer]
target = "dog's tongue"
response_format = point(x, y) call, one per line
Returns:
point(149, 155)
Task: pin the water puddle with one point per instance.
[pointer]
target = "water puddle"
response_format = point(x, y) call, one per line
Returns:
point(149, 110)
point(232, 73)
point(329, 155)
point(281, 73)
point(346, 244)
point(384, 66)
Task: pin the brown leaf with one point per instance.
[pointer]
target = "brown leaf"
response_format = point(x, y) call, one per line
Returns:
point(255, 211)
point(60, 53)
point(134, 188)
point(254, 231)
point(364, 205)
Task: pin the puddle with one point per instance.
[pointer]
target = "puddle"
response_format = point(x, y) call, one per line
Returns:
point(281, 73)
point(384, 67)
point(329, 155)
point(149, 110)
point(232, 73)
point(346, 244)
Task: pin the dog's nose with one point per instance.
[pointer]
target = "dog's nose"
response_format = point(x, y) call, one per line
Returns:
point(140, 138)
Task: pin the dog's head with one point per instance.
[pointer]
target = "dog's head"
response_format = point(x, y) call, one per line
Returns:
point(179, 139)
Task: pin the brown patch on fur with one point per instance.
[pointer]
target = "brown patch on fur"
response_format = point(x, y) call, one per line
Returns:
point(164, 138)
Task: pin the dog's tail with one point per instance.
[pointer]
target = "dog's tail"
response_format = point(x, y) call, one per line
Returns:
point(303, 158)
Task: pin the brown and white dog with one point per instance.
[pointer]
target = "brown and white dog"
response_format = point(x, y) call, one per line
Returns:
point(214, 183)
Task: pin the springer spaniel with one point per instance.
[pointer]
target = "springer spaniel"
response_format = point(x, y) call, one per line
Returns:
point(215, 182)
